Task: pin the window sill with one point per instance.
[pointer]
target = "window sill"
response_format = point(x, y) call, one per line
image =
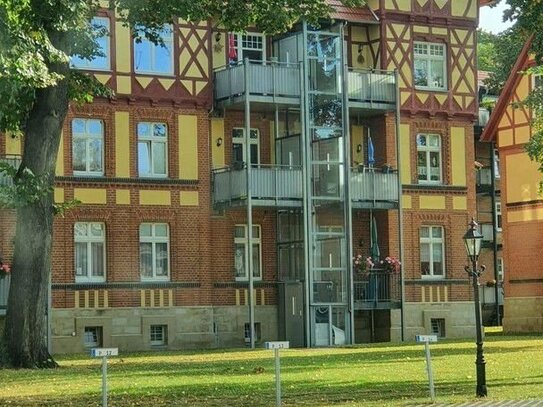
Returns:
point(246, 279)
point(90, 280)
point(161, 74)
point(429, 89)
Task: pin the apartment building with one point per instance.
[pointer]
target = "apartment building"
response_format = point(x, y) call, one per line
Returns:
point(228, 185)
point(510, 128)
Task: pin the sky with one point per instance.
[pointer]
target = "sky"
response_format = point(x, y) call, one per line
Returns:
point(491, 19)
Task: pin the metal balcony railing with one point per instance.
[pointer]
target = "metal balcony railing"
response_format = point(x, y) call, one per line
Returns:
point(372, 87)
point(369, 185)
point(4, 291)
point(377, 289)
point(268, 183)
point(279, 185)
point(484, 117)
point(14, 161)
point(269, 79)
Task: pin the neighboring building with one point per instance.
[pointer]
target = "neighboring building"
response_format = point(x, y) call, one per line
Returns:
point(161, 250)
point(489, 213)
point(510, 128)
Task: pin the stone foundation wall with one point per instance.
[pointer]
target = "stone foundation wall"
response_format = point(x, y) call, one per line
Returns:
point(523, 315)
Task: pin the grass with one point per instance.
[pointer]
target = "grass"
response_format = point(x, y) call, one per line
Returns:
point(376, 375)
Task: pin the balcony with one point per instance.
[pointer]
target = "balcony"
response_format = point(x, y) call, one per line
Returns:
point(281, 186)
point(270, 82)
point(374, 189)
point(271, 185)
point(4, 290)
point(484, 180)
point(274, 82)
point(371, 90)
point(377, 290)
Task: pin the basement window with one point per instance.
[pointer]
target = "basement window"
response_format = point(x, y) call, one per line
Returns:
point(438, 327)
point(93, 336)
point(158, 335)
point(248, 333)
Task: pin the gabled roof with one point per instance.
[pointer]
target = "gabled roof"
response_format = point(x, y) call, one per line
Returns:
point(352, 14)
point(489, 133)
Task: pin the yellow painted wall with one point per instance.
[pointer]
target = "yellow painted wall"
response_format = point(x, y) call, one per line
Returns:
point(90, 195)
point(219, 50)
point(153, 197)
point(460, 203)
point(458, 156)
point(122, 145)
point(189, 198)
point(523, 134)
point(405, 145)
point(58, 195)
point(431, 202)
point(403, 5)
point(459, 8)
point(217, 152)
point(124, 84)
point(357, 138)
point(188, 147)
point(505, 138)
point(122, 197)
point(525, 215)
point(123, 41)
point(407, 202)
point(13, 144)
point(522, 179)
point(60, 157)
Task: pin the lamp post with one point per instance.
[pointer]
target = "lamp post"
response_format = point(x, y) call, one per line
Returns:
point(472, 240)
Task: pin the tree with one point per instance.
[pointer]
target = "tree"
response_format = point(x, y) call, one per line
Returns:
point(485, 51)
point(37, 37)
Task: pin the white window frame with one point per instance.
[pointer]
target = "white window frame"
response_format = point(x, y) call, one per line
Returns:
point(88, 138)
point(498, 215)
point(157, 330)
point(428, 58)
point(89, 239)
point(96, 332)
point(496, 163)
point(500, 269)
point(151, 140)
point(252, 141)
point(86, 64)
point(238, 40)
point(168, 43)
point(243, 241)
point(431, 241)
point(427, 150)
point(154, 240)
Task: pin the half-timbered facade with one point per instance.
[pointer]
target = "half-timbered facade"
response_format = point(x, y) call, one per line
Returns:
point(228, 185)
point(510, 128)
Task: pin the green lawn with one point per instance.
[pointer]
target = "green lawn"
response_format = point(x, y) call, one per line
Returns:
point(376, 375)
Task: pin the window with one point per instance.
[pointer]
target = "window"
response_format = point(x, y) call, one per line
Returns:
point(241, 251)
point(154, 251)
point(158, 335)
point(500, 268)
point(429, 158)
point(432, 262)
point(498, 214)
point(152, 150)
point(92, 337)
point(250, 45)
point(88, 147)
point(247, 333)
point(155, 59)
point(100, 26)
point(239, 145)
point(430, 65)
point(90, 253)
point(438, 327)
point(496, 163)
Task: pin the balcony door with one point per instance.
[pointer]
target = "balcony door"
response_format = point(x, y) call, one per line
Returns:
point(239, 146)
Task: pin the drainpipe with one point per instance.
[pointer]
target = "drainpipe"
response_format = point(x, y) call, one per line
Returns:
point(400, 209)
point(250, 264)
point(494, 229)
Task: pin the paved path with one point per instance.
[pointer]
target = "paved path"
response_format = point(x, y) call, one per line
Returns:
point(490, 403)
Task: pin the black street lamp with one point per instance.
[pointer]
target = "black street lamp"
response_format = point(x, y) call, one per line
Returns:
point(472, 240)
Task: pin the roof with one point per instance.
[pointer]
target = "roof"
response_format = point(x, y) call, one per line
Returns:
point(489, 133)
point(487, 2)
point(352, 14)
point(481, 76)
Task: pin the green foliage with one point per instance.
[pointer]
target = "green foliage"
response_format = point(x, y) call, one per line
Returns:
point(486, 51)
point(26, 188)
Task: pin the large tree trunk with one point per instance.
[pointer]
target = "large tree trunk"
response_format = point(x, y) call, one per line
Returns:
point(26, 324)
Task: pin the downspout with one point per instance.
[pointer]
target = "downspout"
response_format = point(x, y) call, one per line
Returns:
point(494, 230)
